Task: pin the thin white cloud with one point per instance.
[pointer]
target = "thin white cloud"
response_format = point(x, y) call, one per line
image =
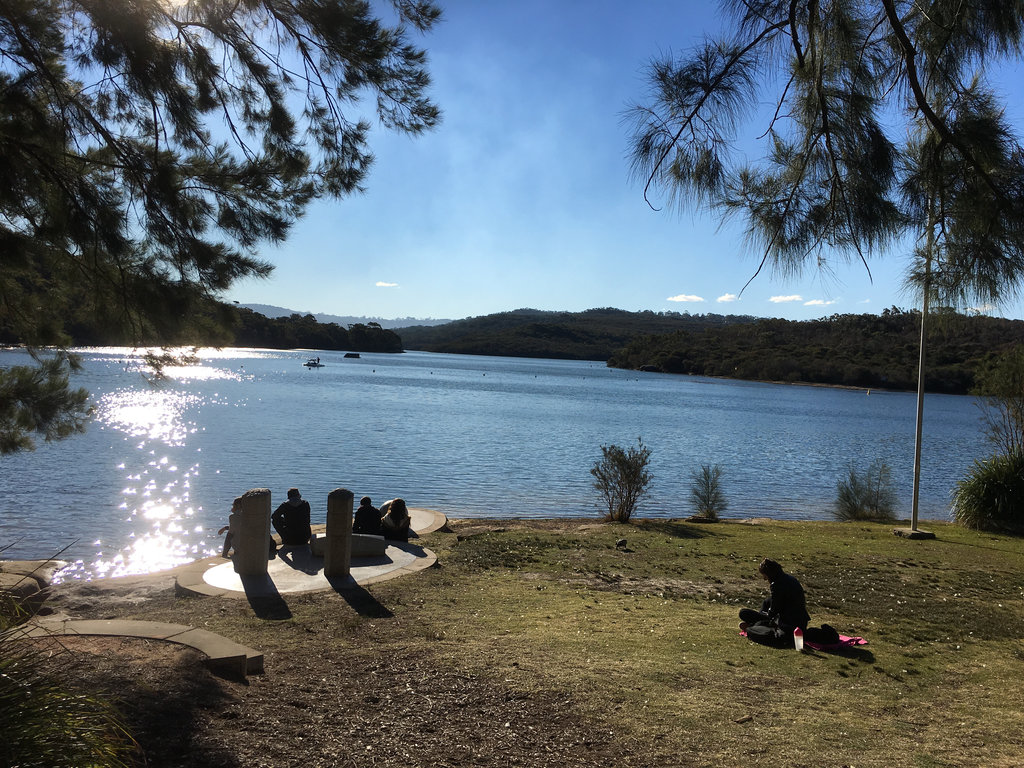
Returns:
point(726, 297)
point(786, 299)
point(864, 301)
point(819, 303)
point(382, 284)
point(686, 297)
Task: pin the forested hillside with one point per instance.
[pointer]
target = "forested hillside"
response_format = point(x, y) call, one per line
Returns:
point(304, 332)
point(226, 325)
point(853, 350)
point(591, 335)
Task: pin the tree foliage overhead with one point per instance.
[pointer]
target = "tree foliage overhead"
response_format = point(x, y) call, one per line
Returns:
point(882, 125)
point(150, 147)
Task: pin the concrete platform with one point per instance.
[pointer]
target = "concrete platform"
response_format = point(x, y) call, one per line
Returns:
point(222, 655)
point(296, 569)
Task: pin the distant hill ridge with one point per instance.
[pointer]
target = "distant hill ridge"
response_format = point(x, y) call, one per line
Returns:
point(594, 334)
point(269, 310)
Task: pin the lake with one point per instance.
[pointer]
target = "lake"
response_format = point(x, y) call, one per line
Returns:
point(151, 481)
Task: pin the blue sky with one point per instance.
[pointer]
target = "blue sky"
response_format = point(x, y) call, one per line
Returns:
point(522, 197)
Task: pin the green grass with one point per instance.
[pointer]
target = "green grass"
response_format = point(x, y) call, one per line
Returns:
point(643, 639)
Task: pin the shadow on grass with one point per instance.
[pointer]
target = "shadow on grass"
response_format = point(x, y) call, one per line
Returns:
point(166, 716)
point(264, 599)
point(357, 596)
point(855, 653)
point(674, 528)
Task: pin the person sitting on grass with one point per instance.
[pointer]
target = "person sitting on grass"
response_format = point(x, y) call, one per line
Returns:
point(367, 518)
point(782, 612)
point(395, 522)
point(291, 520)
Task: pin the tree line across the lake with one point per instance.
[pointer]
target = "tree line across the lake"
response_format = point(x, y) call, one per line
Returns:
point(848, 350)
point(594, 334)
point(851, 350)
point(225, 325)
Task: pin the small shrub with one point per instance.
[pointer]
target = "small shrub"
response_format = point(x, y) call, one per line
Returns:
point(706, 493)
point(991, 497)
point(621, 477)
point(867, 496)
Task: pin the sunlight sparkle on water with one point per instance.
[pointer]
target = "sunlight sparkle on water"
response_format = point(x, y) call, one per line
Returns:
point(155, 414)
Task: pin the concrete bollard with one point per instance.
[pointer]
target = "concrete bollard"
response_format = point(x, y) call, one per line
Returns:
point(338, 547)
point(250, 531)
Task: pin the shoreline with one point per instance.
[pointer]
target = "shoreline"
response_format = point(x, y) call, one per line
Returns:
point(167, 577)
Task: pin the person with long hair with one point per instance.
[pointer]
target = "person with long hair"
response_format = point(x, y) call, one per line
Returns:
point(395, 520)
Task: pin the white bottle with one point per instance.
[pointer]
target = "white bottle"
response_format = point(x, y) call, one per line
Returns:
point(798, 639)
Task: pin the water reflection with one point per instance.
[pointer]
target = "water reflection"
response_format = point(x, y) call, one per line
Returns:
point(157, 508)
point(152, 414)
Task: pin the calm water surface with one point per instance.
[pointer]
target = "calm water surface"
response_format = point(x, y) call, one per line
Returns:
point(152, 480)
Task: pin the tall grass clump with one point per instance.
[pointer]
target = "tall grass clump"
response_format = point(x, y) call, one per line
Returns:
point(706, 492)
point(621, 478)
point(991, 497)
point(47, 722)
point(866, 495)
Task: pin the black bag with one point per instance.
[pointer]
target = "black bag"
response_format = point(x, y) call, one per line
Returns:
point(823, 635)
point(768, 634)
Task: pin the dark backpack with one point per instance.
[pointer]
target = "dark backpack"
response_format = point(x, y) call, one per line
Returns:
point(823, 635)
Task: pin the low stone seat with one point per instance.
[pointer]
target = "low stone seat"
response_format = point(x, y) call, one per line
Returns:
point(363, 545)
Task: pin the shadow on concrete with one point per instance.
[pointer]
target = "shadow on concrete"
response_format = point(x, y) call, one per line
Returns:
point(357, 596)
point(301, 559)
point(263, 597)
point(412, 549)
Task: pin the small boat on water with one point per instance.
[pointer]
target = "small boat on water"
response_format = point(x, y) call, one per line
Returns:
point(313, 362)
point(351, 354)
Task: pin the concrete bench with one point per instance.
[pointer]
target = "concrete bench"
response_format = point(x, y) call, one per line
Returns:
point(363, 545)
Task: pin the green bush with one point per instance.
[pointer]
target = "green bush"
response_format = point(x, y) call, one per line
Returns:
point(866, 496)
point(706, 493)
point(621, 477)
point(991, 497)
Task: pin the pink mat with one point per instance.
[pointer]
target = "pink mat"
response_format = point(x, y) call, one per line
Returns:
point(844, 642)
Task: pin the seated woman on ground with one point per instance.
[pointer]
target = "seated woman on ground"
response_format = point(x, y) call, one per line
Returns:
point(367, 518)
point(395, 521)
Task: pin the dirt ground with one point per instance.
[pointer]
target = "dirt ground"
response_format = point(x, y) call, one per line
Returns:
point(380, 698)
point(368, 710)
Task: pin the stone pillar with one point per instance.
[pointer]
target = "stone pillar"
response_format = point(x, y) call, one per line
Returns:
point(338, 549)
point(250, 531)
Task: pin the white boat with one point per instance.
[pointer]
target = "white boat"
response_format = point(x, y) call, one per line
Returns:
point(313, 362)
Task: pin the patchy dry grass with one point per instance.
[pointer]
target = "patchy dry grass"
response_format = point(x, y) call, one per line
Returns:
point(545, 643)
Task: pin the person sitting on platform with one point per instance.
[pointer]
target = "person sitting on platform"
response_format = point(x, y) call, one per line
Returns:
point(291, 520)
point(367, 518)
point(395, 520)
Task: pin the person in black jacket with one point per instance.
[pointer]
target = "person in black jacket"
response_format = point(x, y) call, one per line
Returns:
point(782, 612)
point(367, 518)
point(291, 520)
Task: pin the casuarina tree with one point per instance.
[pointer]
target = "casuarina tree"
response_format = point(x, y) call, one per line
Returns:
point(150, 148)
point(882, 129)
